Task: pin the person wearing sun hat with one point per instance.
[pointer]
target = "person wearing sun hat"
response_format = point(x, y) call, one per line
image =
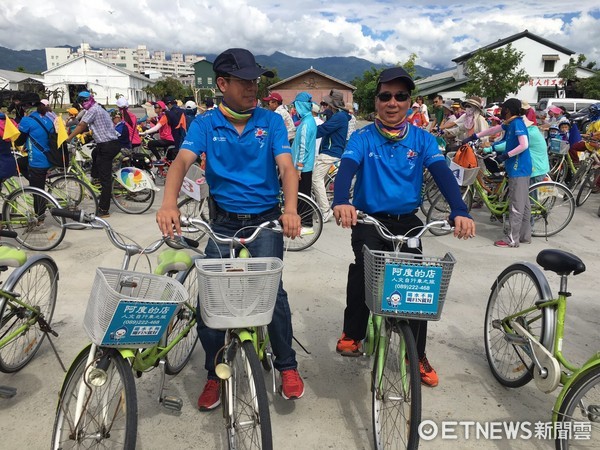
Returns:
point(247, 154)
point(471, 122)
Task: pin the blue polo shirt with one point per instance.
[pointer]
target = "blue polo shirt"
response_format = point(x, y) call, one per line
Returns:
point(519, 165)
point(28, 125)
point(390, 173)
point(240, 169)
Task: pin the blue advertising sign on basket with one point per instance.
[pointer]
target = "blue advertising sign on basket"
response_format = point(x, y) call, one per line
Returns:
point(411, 289)
point(136, 322)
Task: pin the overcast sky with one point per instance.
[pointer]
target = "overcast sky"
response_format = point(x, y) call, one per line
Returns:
point(385, 31)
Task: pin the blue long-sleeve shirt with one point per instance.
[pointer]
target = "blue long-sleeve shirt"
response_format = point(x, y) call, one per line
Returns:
point(334, 132)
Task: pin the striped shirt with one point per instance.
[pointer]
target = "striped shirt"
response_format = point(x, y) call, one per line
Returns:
point(99, 121)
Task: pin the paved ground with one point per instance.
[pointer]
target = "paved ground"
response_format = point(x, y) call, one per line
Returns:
point(335, 411)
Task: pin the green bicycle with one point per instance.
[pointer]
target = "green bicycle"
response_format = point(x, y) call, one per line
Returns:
point(27, 301)
point(395, 378)
point(524, 333)
point(154, 325)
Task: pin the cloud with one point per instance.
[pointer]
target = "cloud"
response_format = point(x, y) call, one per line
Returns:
point(380, 31)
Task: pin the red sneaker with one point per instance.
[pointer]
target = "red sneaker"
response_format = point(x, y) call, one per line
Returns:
point(428, 375)
point(348, 347)
point(292, 386)
point(211, 396)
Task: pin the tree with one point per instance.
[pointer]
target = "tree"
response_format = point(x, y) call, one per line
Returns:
point(366, 86)
point(169, 87)
point(495, 73)
point(580, 87)
point(264, 83)
point(590, 87)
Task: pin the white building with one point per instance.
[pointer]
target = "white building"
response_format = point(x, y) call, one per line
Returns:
point(20, 81)
point(105, 80)
point(138, 60)
point(542, 60)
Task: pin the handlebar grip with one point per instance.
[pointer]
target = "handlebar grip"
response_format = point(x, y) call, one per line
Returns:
point(76, 215)
point(8, 233)
point(190, 242)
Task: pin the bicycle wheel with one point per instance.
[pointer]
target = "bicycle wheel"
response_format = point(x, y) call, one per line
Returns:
point(552, 208)
point(581, 404)
point(515, 289)
point(329, 185)
point(37, 286)
point(440, 210)
point(249, 421)
point(25, 211)
point(309, 214)
point(195, 209)
point(429, 192)
point(396, 390)
point(73, 194)
point(132, 202)
point(558, 167)
point(109, 412)
point(181, 353)
point(587, 187)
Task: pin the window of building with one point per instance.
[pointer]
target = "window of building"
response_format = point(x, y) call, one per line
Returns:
point(549, 62)
point(209, 81)
point(199, 81)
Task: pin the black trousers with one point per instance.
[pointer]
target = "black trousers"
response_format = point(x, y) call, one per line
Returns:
point(37, 178)
point(155, 144)
point(356, 314)
point(305, 187)
point(105, 153)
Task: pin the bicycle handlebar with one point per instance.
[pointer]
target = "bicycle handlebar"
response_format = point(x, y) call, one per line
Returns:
point(8, 233)
point(411, 241)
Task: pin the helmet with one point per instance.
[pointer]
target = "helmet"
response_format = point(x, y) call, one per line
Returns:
point(190, 104)
point(553, 126)
point(122, 102)
point(594, 111)
point(564, 121)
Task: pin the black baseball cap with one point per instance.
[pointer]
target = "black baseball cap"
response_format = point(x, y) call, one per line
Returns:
point(240, 63)
point(395, 73)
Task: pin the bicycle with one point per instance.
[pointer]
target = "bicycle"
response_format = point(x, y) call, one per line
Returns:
point(238, 295)
point(27, 301)
point(590, 167)
point(552, 203)
point(524, 332)
point(97, 403)
point(24, 210)
point(396, 293)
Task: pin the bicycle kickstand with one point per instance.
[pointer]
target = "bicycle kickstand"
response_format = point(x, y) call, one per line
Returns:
point(301, 346)
point(168, 401)
point(45, 327)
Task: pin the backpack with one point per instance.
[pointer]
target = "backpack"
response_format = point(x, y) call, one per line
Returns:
point(465, 157)
point(57, 156)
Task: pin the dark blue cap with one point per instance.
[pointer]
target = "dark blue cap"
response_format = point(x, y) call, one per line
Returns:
point(240, 63)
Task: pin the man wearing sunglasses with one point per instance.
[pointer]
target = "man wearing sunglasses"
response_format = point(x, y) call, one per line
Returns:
point(388, 158)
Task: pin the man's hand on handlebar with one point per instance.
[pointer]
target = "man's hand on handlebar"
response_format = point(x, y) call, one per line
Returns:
point(345, 215)
point(167, 219)
point(290, 222)
point(464, 227)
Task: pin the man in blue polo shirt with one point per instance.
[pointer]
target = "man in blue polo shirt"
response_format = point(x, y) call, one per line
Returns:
point(388, 158)
point(244, 147)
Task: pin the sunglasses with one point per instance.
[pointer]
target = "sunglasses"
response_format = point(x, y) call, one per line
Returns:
point(398, 96)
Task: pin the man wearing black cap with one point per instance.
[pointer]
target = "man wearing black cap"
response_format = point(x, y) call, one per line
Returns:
point(244, 146)
point(333, 132)
point(388, 158)
point(518, 165)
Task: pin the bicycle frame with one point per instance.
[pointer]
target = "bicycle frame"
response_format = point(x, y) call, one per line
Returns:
point(14, 303)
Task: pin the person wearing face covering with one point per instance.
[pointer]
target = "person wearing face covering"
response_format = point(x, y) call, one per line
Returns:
point(471, 122)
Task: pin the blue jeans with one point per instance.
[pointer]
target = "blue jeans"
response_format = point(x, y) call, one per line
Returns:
point(268, 244)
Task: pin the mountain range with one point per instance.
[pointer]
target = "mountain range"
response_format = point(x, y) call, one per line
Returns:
point(345, 68)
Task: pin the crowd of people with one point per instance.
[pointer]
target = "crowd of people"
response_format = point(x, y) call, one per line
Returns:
point(254, 148)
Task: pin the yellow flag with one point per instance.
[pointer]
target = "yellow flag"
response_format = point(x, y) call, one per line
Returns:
point(61, 130)
point(10, 130)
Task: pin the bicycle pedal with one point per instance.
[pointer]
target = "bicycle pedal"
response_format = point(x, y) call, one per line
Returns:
point(173, 403)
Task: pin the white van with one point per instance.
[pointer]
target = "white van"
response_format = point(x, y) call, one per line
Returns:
point(570, 104)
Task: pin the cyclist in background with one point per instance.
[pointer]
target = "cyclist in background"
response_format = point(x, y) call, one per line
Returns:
point(130, 121)
point(165, 134)
point(8, 166)
point(388, 158)
point(244, 146)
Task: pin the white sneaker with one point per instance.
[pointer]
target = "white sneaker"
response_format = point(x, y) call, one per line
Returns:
point(305, 231)
point(327, 216)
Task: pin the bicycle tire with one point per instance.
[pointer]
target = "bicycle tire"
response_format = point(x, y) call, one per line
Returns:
point(552, 208)
point(37, 285)
point(516, 289)
point(559, 168)
point(195, 209)
point(430, 192)
point(307, 209)
point(109, 417)
point(73, 194)
point(262, 337)
point(181, 353)
point(440, 210)
point(329, 185)
point(575, 408)
point(34, 230)
point(132, 202)
point(587, 187)
point(396, 399)
point(249, 423)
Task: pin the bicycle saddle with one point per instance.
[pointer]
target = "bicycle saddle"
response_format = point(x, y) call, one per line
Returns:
point(560, 262)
